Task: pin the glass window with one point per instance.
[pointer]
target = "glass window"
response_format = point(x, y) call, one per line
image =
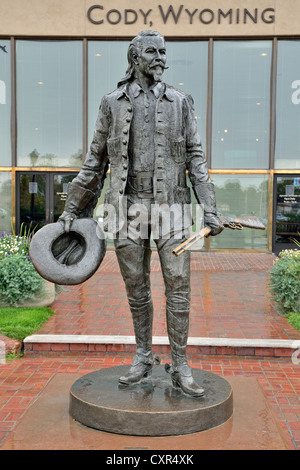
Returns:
point(237, 196)
point(287, 150)
point(60, 186)
point(187, 62)
point(241, 104)
point(49, 103)
point(32, 200)
point(5, 147)
point(287, 215)
point(107, 65)
point(5, 202)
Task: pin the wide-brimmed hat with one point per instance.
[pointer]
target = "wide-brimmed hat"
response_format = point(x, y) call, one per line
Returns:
point(68, 258)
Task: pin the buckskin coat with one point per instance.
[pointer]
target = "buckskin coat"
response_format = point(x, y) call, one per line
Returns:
point(177, 149)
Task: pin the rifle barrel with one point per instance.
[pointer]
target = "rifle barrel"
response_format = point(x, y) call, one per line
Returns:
point(190, 241)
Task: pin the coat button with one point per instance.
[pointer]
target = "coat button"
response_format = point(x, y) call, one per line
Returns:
point(125, 142)
point(128, 119)
point(123, 178)
point(129, 110)
point(121, 191)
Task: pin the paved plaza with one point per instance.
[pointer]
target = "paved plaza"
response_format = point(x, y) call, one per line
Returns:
point(234, 332)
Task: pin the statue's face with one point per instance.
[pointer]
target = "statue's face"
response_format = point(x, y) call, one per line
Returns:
point(151, 59)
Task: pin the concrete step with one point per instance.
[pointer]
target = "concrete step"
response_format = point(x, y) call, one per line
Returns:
point(93, 344)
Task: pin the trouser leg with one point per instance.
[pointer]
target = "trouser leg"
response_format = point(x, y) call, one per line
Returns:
point(134, 261)
point(176, 273)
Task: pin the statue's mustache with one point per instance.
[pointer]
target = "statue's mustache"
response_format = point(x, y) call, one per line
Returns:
point(159, 64)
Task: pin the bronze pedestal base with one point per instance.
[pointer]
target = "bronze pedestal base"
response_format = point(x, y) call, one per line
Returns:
point(152, 407)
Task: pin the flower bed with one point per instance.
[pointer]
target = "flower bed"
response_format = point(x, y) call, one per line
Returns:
point(290, 254)
point(13, 245)
point(20, 283)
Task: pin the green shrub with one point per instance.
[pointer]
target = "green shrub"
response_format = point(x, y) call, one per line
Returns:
point(285, 281)
point(18, 279)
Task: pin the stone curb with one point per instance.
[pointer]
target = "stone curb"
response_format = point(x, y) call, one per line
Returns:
point(109, 343)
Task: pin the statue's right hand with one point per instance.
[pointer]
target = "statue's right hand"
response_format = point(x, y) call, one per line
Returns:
point(67, 218)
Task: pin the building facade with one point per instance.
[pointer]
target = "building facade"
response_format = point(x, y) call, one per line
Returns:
point(239, 60)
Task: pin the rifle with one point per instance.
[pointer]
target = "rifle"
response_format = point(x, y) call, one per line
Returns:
point(228, 222)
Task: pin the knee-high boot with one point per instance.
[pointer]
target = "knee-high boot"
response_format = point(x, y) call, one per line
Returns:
point(178, 326)
point(142, 316)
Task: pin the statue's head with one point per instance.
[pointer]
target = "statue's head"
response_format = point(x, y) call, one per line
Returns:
point(146, 54)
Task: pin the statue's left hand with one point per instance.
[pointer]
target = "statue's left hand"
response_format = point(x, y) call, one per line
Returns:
point(67, 218)
point(212, 221)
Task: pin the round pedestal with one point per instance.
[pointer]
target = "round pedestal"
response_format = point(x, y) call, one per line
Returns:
point(150, 408)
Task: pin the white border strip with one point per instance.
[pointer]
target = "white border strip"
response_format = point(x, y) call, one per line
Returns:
point(163, 340)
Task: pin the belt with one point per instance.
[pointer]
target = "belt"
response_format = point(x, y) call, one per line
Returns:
point(141, 184)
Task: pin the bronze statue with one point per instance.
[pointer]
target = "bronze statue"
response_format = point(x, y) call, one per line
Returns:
point(146, 132)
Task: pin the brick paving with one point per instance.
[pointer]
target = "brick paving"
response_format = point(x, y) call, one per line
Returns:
point(230, 299)
point(21, 382)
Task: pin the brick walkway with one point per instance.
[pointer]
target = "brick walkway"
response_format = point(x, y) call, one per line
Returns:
point(230, 299)
point(22, 381)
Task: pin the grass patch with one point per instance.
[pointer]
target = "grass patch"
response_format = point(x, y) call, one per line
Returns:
point(294, 320)
point(17, 323)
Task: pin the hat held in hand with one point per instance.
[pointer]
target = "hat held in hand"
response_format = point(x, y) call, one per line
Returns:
point(68, 258)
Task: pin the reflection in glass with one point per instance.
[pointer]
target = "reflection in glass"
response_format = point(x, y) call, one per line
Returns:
point(107, 65)
point(287, 149)
point(237, 196)
point(33, 200)
point(187, 62)
point(241, 104)
point(49, 101)
point(5, 147)
point(287, 211)
point(5, 202)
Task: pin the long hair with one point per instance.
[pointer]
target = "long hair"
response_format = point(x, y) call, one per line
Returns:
point(134, 47)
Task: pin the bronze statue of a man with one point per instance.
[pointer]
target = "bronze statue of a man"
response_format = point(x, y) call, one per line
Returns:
point(146, 132)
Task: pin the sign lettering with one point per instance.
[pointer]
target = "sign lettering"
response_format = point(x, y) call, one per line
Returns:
point(97, 14)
